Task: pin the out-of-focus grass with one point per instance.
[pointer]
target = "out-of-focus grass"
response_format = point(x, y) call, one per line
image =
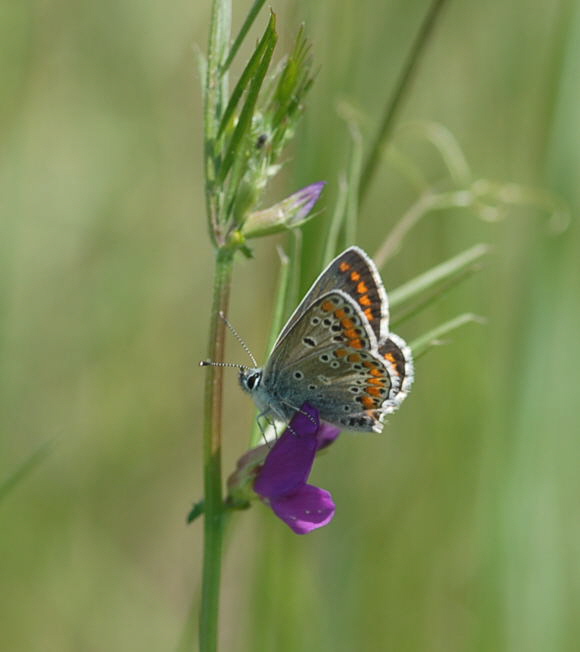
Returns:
point(457, 529)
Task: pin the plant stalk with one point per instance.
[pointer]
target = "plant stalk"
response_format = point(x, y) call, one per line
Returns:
point(399, 94)
point(214, 507)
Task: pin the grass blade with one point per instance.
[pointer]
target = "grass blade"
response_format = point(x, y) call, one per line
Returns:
point(401, 88)
point(437, 274)
point(250, 18)
point(247, 75)
point(433, 338)
point(260, 64)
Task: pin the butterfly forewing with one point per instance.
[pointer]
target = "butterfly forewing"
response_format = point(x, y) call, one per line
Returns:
point(354, 273)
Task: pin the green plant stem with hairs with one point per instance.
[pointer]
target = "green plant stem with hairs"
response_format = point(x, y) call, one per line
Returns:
point(214, 506)
point(212, 433)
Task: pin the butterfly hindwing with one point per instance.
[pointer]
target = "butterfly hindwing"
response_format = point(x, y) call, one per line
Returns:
point(395, 350)
point(329, 358)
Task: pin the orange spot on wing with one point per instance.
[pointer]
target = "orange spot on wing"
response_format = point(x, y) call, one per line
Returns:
point(354, 357)
point(368, 402)
point(340, 353)
point(377, 381)
point(374, 391)
point(391, 358)
point(365, 300)
point(376, 372)
point(356, 344)
point(355, 276)
point(347, 323)
point(369, 314)
point(362, 288)
point(370, 364)
point(344, 267)
point(351, 333)
point(328, 306)
point(340, 313)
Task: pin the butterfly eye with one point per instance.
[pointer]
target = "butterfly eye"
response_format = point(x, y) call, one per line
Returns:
point(253, 380)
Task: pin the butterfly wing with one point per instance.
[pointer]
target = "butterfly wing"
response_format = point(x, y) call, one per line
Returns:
point(354, 273)
point(329, 358)
point(395, 350)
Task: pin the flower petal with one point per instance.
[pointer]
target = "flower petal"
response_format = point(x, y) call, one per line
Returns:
point(289, 463)
point(306, 198)
point(326, 435)
point(306, 509)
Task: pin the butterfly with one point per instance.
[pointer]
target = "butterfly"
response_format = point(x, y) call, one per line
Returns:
point(336, 352)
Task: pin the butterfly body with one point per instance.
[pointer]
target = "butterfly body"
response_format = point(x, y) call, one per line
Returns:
point(336, 352)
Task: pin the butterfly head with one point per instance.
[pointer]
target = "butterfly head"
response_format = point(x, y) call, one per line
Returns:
point(252, 382)
point(250, 379)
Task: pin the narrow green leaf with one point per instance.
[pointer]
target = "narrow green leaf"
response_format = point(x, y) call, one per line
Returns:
point(250, 18)
point(247, 112)
point(294, 82)
point(247, 75)
point(196, 511)
point(433, 338)
point(425, 301)
point(437, 274)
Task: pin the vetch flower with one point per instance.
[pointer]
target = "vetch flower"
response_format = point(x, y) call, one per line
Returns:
point(286, 214)
point(281, 481)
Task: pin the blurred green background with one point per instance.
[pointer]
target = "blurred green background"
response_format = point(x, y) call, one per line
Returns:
point(459, 528)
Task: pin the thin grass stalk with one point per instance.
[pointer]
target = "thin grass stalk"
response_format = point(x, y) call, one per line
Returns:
point(392, 109)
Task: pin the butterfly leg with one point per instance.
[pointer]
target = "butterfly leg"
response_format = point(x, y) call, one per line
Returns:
point(262, 426)
point(298, 409)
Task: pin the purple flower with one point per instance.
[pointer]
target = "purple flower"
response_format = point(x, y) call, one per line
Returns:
point(281, 481)
point(286, 214)
point(304, 200)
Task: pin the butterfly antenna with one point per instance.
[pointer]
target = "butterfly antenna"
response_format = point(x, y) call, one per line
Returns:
point(211, 363)
point(239, 338)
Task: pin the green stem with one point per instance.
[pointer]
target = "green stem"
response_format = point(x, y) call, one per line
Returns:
point(403, 83)
point(214, 507)
point(215, 98)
